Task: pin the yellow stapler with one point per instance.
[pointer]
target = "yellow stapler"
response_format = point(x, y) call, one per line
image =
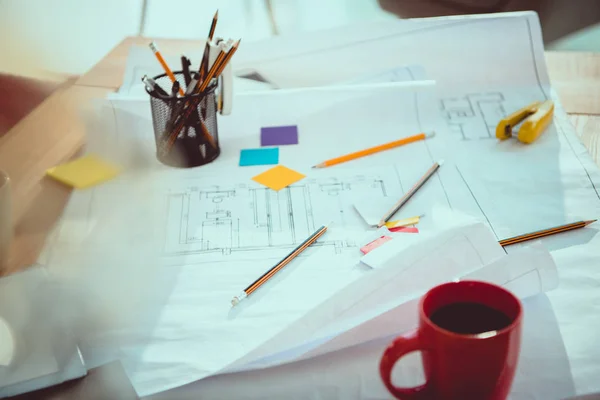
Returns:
point(536, 117)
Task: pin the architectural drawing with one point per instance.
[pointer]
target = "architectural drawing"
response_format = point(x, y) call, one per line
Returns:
point(241, 219)
point(474, 116)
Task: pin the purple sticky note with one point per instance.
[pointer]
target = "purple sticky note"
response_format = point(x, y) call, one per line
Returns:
point(279, 135)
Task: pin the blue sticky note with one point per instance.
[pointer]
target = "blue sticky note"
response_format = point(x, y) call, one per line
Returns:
point(265, 156)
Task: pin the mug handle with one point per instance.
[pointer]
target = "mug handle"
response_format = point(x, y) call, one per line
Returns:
point(401, 346)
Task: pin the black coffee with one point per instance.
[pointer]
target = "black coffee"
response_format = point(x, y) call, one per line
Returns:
point(469, 318)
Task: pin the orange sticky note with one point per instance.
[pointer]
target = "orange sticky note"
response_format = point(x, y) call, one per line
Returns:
point(278, 177)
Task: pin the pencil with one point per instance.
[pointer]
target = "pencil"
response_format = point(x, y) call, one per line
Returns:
point(223, 63)
point(162, 62)
point(373, 150)
point(217, 66)
point(410, 193)
point(213, 25)
point(277, 267)
point(203, 69)
point(545, 232)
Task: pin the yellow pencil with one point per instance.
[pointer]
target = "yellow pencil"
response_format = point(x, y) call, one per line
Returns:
point(162, 62)
point(217, 67)
point(373, 150)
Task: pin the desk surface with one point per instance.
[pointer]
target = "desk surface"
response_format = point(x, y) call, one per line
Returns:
point(53, 133)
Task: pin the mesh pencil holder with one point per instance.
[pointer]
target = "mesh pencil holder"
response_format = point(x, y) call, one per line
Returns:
point(197, 142)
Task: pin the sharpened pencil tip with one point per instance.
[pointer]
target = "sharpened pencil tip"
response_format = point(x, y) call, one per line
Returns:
point(429, 135)
point(591, 221)
point(216, 14)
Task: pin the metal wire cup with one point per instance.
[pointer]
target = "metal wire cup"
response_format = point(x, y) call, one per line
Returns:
point(193, 145)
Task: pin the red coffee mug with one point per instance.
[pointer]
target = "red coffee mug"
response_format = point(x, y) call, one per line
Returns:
point(460, 366)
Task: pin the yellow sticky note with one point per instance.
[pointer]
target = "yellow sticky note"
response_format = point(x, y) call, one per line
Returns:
point(278, 177)
point(84, 172)
point(403, 222)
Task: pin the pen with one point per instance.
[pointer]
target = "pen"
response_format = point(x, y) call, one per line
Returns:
point(185, 67)
point(176, 88)
point(151, 85)
point(277, 267)
point(410, 193)
point(163, 63)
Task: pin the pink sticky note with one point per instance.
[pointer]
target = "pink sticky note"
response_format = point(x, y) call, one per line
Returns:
point(405, 229)
point(374, 244)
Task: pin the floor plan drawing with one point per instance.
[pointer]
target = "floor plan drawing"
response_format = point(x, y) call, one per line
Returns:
point(474, 116)
point(237, 220)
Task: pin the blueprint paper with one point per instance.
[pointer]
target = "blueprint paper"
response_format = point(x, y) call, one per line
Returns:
point(320, 363)
point(450, 253)
point(576, 307)
point(352, 373)
point(471, 100)
point(504, 70)
point(212, 220)
point(208, 223)
point(437, 44)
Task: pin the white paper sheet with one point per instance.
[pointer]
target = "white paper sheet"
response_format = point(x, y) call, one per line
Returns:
point(45, 350)
point(503, 70)
point(502, 43)
point(576, 305)
point(427, 261)
point(412, 107)
point(352, 373)
point(371, 210)
point(352, 356)
point(526, 273)
point(141, 61)
point(519, 188)
point(472, 101)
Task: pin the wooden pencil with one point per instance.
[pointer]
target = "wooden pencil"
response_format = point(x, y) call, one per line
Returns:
point(213, 25)
point(410, 193)
point(373, 150)
point(163, 63)
point(545, 232)
point(218, 66)
point(277, 267)
point(203, 69)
